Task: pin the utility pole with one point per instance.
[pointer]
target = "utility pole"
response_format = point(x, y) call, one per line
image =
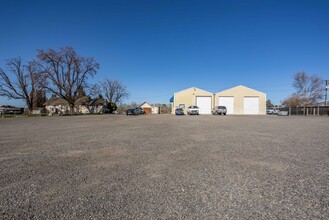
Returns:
point(327, 86)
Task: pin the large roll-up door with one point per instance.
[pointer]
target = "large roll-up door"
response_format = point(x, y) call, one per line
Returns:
point(251, 105)
point(204, 104)
point(227, 101)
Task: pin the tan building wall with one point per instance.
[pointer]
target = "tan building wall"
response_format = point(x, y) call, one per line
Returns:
point(187, 97)
point(239, 92)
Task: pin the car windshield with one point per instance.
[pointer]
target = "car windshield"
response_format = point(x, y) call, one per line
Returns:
point(222, 107)
point(179, 109)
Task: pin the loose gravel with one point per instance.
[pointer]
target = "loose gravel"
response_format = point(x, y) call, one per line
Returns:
point(164, 167)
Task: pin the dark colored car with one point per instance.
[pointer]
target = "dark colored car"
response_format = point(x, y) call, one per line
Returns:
point(131, 111)
point(179, 111)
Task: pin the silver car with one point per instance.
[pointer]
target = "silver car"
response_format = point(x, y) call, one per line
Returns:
point(219, 110)
point(193, 110)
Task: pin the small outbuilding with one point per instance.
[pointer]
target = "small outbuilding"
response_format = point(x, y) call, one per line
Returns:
point(193, 96)
point(242, 100)
point(149, 109)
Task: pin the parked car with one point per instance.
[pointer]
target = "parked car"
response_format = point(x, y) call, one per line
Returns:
point(283, 113)
point(8, 109)
point(131, 111)
point(193, 110)
point(272, 111)
point(139, 111)
point(219, 110)
point(179, 111)
point(135, 111)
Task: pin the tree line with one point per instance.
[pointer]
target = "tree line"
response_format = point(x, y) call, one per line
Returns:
point(62, 72)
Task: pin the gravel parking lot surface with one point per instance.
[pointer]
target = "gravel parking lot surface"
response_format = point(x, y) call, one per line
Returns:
point(164, 167)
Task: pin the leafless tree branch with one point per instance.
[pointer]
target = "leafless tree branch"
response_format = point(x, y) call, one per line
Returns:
point(309, 90)
point(19, 81)
point(114, 91)
point(65, 72)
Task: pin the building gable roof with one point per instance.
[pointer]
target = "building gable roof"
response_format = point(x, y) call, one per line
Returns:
point(145, 105)
point(193, 88)
point(55, 101)
point(240, 86)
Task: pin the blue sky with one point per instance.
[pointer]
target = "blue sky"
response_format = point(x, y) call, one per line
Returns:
point(157, 47)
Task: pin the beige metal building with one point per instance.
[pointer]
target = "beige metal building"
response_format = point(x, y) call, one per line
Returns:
point(193, 96)
point(242, 100)
point(238, 100)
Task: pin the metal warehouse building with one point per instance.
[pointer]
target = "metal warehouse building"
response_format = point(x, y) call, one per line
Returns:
point(242, 100)
point(193, 96)
point(238, 100)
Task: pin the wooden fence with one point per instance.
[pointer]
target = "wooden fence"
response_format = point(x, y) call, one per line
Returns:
point(309, 110)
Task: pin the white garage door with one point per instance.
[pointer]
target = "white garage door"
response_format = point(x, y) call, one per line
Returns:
point(204, 104)
point(227, 101)
point(251, 105)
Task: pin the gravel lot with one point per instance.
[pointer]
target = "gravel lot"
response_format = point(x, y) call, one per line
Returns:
point(164, 167)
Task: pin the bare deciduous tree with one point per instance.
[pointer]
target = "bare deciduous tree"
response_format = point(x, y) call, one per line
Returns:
point(309, 90)
point(19, 81)
point(65, 73)
point(114, 91)
point(293, 101)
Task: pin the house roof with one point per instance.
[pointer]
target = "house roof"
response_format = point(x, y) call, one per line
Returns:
point(83, 100)
point(97, 102)
point(145, 104)
point(55, 101)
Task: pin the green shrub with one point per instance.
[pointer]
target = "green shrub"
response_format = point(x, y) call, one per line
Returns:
point(111, 106)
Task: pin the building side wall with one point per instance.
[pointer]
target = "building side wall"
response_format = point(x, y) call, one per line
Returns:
point(155, 110)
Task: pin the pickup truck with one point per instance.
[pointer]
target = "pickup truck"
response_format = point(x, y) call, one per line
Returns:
point(272, 111)
point(219, 110)
point(193, 110)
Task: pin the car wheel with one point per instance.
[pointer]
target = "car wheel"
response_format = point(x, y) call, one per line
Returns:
point(224, 113)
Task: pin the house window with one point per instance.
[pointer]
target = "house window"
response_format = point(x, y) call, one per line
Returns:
point(181, 106)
